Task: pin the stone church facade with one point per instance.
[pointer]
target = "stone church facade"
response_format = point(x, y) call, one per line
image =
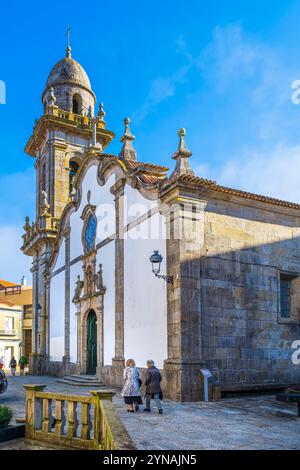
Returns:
point(230, 297)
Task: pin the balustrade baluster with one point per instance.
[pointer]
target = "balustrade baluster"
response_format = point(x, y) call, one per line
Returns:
point(86, 421)
point(47, 415)
point(72, 419)
point(60, 417)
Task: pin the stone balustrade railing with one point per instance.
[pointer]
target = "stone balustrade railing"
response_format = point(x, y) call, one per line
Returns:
point(77, 118)
point(84, 422)
point(46, 222)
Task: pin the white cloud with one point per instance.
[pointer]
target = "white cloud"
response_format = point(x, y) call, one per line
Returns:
point(13, 263)
point(275, 173)
point(161, 88)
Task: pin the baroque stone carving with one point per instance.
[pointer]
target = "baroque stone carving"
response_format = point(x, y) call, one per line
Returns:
point(98, 279)
point(45, 206)
point(78, 289)
point(51, 100)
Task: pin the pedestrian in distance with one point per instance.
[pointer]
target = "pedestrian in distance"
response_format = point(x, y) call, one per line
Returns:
point(22, 363)
point(131, 390)
point(13, 366)
point(153, 388)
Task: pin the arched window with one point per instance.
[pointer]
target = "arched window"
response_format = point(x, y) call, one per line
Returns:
point(76, 104)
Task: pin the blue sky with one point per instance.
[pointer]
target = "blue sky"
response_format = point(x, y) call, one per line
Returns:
point(221, 69)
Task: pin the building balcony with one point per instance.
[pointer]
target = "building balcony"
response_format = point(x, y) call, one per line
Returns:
point(8, 332)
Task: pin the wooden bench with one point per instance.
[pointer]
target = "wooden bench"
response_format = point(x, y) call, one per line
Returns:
point(292, 396)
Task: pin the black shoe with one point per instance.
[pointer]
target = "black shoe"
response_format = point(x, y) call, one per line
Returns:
point(130, 411)
point(147, 409)
point(160, 412)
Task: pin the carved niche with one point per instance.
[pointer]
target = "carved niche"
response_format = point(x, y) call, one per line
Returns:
point(92, 283)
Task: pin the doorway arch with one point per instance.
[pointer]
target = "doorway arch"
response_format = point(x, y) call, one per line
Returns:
point(91, 343)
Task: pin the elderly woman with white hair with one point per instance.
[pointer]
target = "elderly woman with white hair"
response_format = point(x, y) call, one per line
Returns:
point(131, 390)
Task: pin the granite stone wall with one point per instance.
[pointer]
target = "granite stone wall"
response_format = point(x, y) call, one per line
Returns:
point(244, 339)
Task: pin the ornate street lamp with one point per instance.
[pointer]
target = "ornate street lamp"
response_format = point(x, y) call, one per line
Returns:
point(156, 260)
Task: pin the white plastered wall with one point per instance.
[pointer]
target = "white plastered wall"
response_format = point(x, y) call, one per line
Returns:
point(106, 256)
point(145, 311)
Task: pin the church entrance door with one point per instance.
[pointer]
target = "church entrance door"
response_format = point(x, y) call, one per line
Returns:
point(91, 343)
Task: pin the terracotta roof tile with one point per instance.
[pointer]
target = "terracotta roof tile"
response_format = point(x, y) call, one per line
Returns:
point(212, 185)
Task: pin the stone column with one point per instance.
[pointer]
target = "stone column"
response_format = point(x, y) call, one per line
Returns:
point(43, 346)
point(66, 358)
point(47, 315)
point(118, 191)
point(185, 246)
point(78, 329)
point(100, 334)
point(34, 271)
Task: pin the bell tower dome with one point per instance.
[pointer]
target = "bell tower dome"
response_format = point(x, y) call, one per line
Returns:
point(71, 86)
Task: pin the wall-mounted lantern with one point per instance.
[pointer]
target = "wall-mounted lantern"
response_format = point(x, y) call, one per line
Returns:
point(39, 309)
point(156, 260)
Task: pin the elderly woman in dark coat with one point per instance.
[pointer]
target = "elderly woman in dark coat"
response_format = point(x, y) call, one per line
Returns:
point(153, 388)
point(131, 390)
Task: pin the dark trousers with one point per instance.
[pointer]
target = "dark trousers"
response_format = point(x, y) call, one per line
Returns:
point(156, 398)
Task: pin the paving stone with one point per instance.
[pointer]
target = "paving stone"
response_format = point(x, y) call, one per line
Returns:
point(248, 422)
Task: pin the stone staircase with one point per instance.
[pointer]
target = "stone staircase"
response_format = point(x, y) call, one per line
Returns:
point(81, 381)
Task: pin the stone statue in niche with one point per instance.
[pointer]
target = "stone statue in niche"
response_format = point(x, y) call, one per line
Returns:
point(89, 282)
point(99, 278)
point(78, 289)
point(45, 206)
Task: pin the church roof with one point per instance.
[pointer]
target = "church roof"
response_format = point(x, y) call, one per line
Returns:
point(68, 70)
point(148, 173)
point(211, 185)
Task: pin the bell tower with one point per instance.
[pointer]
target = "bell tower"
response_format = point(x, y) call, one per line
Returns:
point(63, 135)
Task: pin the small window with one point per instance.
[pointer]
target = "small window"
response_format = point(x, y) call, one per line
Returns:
point(289, 297)
point(9, 324)
point(285, 296)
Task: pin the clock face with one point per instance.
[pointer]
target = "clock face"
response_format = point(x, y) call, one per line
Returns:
point(90, 232)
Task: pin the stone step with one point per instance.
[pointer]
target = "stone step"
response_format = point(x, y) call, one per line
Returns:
point(82, 378)
point(81, 381)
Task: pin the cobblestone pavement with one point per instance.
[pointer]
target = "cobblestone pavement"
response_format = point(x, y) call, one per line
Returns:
point(253, 422)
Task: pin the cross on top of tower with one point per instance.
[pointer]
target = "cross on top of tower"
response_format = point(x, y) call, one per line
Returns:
point(68, 50)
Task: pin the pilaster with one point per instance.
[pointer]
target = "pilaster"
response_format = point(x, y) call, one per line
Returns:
point(67, 234)
point(118, 191)
point(185, 246)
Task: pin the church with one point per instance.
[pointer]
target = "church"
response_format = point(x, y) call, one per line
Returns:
point(133, 260)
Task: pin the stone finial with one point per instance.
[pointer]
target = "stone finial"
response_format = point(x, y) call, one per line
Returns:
point(101, 112)
point(127, 150)
point(181, 156)
point(27, 226)
point(45, 206)
point(51, 99)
